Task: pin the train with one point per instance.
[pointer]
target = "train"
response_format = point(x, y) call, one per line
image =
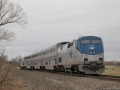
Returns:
point(83, 55)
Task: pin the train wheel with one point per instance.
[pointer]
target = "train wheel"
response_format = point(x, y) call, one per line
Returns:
point(55, 68)
point(25, 68)
point(66, 70)
point(41, 68)
point(62, 69)
point(73, 68)
point(33, 68)
point(83, 73)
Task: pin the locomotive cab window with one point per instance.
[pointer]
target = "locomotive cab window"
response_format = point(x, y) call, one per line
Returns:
point(96, 41)
point(61, 47)
point(85, 41)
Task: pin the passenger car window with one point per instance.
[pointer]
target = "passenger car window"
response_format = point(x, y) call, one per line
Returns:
point(71, 44)
point(60, 60)
point(68, 45)
point(61, 47)
point(46, 63)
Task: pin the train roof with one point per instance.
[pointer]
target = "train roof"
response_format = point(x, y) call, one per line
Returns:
point(27, 56)
point(90, 37)
point(62, 43)
point(58, 44)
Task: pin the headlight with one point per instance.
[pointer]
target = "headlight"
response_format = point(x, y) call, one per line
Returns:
point(92, 52)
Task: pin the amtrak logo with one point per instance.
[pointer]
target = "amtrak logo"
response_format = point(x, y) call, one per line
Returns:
point(70, 54)
point(91, 47)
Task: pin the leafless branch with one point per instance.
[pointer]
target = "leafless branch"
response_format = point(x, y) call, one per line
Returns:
point(11, 13)
point(6, 35)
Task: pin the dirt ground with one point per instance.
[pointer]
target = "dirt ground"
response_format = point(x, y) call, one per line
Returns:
point(38, 80)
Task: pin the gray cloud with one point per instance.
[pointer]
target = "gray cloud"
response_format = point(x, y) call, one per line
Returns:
point(53, 21)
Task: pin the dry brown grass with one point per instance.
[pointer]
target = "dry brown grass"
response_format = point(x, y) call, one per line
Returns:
point(112, 70)
point(8, 79)
point(12, 85)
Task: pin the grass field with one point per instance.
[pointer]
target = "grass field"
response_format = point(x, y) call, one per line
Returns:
point(112, 70)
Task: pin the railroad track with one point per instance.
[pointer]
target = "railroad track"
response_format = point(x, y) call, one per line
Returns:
point(109, 77)
point(97, 76)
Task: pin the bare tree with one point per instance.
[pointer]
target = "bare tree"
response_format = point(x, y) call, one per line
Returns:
point(6, 35)
point(2, 51)
point(11, 13)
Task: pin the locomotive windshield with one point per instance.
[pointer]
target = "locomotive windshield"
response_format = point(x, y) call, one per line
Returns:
point(96, 41)
point(85, 41)
point(88, 41)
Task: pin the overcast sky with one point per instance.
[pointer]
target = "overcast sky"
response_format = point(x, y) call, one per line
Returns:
point(53, 21)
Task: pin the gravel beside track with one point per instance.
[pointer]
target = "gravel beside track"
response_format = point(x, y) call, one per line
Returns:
point(38, 80)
